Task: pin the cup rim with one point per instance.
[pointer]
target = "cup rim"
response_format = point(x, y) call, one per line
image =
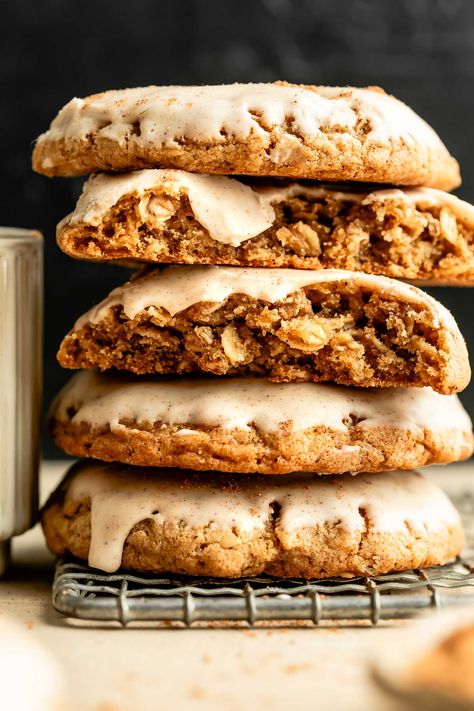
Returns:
point(20, 233)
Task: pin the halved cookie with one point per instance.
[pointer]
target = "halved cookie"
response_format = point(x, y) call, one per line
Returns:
point(323, 133)
point(253, 425)
point(185, 218)
point(210, 524)
point(289, 325)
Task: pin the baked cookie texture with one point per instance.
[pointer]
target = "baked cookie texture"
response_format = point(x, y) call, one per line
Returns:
point(301, 526)
point(289, 325)
point(322, 133)
point(255, 426)
point(445, 671)
point(185, 218)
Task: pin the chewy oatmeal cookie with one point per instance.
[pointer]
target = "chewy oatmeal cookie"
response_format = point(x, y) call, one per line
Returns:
point(288, 130)
point(210, 524)
point(444, 672)
point(289, 325)
point(186, 218)
point(255, 426)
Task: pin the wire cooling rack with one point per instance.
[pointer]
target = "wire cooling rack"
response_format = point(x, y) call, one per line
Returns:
point(85, 594)
point(82, 593)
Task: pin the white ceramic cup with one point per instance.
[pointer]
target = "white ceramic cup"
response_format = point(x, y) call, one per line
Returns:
point(21, 307)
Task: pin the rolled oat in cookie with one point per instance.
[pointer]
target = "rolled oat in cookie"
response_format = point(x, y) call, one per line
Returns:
point(280, 129)
point(186, 218)
point(289, 325)
point(253, 425)
point(302, 525)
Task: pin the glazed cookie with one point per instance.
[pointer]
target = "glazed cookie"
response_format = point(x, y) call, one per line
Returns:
point(289, 325)
point(323, 133)
point(205, 524)
point(442, 675)
point(185, 218)
point(252, 425)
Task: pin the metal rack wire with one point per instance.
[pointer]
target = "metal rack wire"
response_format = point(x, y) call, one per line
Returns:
point(81, 593)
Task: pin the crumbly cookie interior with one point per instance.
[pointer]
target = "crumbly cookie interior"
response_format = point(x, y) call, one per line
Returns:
point(351, 336)
point(391, 237)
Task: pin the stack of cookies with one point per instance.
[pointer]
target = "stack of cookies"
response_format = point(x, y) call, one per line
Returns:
point(223, 404)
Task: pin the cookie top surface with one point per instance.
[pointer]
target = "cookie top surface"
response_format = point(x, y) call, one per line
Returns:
point(101, 399)
point(332, 133)
point(121, 497)
point(229, 209)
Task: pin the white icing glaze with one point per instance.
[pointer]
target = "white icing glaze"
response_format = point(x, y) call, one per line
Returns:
point(178, 287)
point(30, 679)
point(103, 400)
point(122, 497)
point(167, 114)
point(228, 209)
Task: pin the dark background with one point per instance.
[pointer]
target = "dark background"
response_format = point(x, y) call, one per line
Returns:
point(52, 50)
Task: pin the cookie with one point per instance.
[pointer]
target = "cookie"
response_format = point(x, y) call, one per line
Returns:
point(252, 425)
point(323, 133)
point(443, 673)
point(289, 325)
point(185, 218)
point(210, 524)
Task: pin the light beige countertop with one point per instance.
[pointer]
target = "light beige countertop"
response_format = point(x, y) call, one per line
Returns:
point(113, 669)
